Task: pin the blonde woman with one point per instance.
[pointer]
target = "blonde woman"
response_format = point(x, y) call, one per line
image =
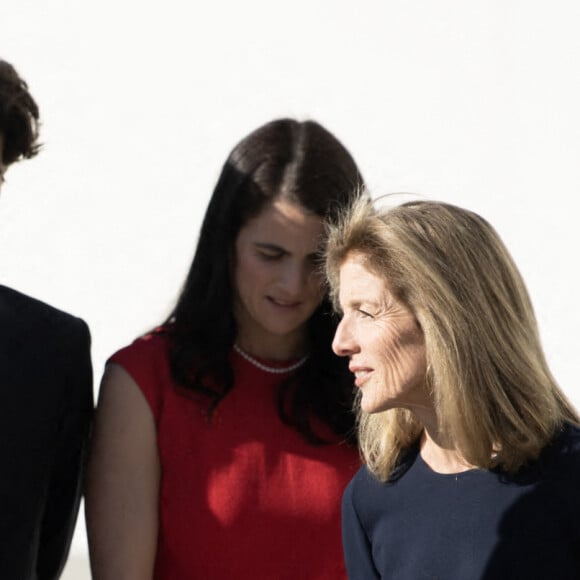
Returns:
point(472, 450)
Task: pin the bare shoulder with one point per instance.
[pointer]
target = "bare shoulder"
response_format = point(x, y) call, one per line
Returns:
point(124, 424)
point(122, 484)
point(120, 391)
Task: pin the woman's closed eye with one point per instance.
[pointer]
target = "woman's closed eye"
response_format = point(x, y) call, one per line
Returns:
point(269, 252)
point(270, 255)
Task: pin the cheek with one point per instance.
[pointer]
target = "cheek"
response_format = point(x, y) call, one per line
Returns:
point(248, 272)
point(316, 294)
point(245, 283)
point(384, 341)
point(411, 354)
point(403, 350)
point(316, 286)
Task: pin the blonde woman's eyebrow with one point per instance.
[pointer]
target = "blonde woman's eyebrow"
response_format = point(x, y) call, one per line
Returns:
point(355, 304)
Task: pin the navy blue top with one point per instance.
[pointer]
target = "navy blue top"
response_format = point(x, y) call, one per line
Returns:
point(472, 525)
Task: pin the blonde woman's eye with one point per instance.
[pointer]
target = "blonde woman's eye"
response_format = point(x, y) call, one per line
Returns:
point(365, 314)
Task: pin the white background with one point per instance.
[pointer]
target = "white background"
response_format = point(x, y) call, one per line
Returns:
point(470, 102)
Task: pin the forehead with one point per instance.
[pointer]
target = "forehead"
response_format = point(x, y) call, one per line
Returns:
point(358, 282)
point(285, 224)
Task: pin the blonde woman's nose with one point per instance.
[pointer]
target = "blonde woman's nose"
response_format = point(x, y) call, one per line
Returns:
point(343, 343)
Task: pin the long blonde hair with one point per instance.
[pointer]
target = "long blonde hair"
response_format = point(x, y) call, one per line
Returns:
point(493, 392)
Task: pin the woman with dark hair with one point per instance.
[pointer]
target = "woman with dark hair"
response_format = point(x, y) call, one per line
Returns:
point(221, 446)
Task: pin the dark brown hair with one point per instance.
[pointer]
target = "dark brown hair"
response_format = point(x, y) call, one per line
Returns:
point(305, 164)
point(19, 117)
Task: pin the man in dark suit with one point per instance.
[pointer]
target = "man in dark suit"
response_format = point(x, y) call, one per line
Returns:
point(46, 395)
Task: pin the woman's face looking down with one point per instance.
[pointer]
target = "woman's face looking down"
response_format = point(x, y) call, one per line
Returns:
point(276, 280)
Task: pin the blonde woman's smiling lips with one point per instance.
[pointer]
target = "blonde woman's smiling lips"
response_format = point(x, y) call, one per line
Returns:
point(361, 374)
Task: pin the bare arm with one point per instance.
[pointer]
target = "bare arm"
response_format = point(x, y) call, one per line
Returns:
point(122, 485)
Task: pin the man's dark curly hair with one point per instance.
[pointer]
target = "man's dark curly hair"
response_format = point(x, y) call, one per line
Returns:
point(19, 117)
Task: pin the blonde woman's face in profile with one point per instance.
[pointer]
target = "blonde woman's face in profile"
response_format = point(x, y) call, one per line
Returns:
point(276, 280)
point(382, 339)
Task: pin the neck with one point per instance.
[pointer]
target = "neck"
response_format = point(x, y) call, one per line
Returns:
point(440, 454)
point(275, 348)
point(257, 341)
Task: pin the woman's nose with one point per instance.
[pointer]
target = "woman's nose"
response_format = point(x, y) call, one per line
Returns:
point(294, 279)
point(343, 343)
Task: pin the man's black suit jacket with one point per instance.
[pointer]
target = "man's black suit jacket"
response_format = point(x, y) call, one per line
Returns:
point(46, 403)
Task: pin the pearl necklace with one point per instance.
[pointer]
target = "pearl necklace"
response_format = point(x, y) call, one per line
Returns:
point(266, 368)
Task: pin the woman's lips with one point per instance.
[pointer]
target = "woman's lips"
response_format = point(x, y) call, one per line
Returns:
point(283, 303)
point(361, 374)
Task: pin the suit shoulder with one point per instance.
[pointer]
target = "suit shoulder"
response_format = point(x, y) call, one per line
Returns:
point(16, 305)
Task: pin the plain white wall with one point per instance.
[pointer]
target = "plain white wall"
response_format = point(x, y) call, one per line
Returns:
point(475, 103)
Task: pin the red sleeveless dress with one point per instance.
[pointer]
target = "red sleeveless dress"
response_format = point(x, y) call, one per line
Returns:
point(242, 496)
